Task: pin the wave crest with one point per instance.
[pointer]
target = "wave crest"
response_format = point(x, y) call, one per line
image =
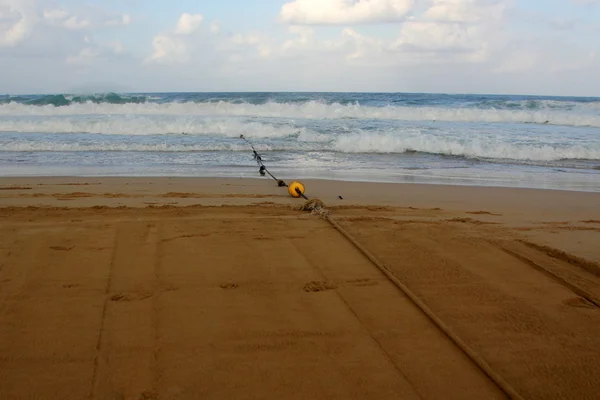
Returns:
point(313, 110)
point(410, 141)
point(62, 100)
point(143, 126)
point(477, 148)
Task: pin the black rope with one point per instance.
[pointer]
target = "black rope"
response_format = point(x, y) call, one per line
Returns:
point(262, 168)
point(301, 194)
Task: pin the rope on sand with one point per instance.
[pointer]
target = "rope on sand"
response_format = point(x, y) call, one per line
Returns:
point(295, 189)
point(473, 356)
point(317, 207)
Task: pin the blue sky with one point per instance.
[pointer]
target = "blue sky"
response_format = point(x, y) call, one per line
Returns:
point(457, 46)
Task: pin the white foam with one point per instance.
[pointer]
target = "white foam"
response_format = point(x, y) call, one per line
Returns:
point(483, 147)
point(584, 114)
point(139, 147)
point(473, 147)
point(144, 125)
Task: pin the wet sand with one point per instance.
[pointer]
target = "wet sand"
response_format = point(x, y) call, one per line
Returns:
point(173, 288)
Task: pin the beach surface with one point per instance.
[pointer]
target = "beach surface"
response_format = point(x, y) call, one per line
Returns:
point(187, 288)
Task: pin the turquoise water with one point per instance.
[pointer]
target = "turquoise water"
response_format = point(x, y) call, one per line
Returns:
point(519, 141)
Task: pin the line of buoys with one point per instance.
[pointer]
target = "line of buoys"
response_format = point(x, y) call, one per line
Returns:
point(262, 170)
point(295, 189)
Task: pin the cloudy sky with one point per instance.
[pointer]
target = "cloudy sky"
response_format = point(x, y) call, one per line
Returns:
point(448, 46)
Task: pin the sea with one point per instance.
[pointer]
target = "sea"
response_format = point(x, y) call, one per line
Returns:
point(482, 140)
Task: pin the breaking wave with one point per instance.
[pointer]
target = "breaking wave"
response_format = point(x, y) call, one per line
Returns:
point(361, 142)
point(142, 125)
point(474, 147)
point(577, 114)
point(61, 100)
point(139, 147)
point(408, 129)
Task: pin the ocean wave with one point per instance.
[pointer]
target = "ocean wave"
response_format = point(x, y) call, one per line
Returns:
point(364, 99)
point(410, 141)
point(535, 105)
point(141, 147)
point(475, 147)
point(143, 125)
point(586, 114)
point(61, 100)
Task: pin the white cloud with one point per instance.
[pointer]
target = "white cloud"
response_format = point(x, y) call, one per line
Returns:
point(75, 23)
point(438, 45)
point(117, 47)
point(447, 31)
point(332, 12)
point(188, 23)
point(437, 37)
point(172, 47)
point(252, 40)
point(467, 10)
point(304, 41)
point(86, 56)
point(168, 50)
point(89, 19)
point(215, 27)
point(442, 32)
point(586, 2)
point(94, 51)
point(124, 20)
point(454, 31)
point(304, 45)
point(249, 39)
point(362, 47)
point(17, 22)
point(551, 61)
point(56, 14)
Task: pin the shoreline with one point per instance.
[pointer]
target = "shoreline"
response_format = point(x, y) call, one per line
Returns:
point(48, 179)
point(516, 205)
point(287, 178)
point(406, 179)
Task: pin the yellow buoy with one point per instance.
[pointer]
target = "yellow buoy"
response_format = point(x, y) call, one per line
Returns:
point(294, 187)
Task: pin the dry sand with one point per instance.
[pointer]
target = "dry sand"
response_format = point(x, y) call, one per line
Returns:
point(172, 288)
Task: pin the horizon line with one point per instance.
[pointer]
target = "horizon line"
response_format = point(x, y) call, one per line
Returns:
point(91, 92)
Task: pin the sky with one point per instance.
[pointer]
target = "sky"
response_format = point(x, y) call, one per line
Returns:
point(545, 47)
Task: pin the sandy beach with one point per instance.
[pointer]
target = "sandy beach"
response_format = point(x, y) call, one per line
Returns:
point(188, 288)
